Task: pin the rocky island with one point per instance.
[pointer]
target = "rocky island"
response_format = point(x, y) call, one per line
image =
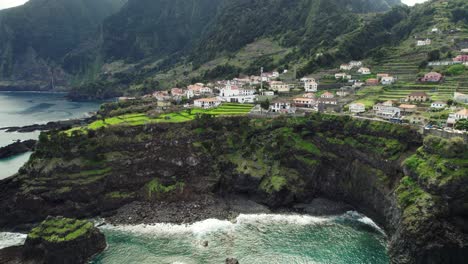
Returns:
point(186, 172)
point(57, 240)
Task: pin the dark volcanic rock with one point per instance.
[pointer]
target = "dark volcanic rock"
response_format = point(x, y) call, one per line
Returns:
point(19, 147)
point(57, 125)
point(232, 261)
point(57, 241)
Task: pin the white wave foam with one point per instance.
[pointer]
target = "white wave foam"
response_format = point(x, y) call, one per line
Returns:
point(281, 219)
point(214, 225)
point(11, 239)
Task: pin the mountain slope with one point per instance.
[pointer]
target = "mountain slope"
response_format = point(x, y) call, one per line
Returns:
point(35, 37)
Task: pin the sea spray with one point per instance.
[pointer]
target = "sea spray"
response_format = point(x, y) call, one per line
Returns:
point(11, 239)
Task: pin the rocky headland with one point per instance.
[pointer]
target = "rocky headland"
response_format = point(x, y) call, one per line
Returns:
point(57, 240)
point(219, 167)
point(19, 147)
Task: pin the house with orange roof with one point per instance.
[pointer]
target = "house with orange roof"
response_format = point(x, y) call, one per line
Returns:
point(455, 117)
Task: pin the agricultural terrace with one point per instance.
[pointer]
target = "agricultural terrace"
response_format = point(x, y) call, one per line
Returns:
point(138, 119)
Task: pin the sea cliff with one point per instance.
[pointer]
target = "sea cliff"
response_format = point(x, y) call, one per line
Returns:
point(383, 170)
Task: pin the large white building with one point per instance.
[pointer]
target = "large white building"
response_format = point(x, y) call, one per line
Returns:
point(234, 94)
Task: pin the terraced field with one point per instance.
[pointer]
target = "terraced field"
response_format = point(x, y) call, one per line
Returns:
point(139, 119)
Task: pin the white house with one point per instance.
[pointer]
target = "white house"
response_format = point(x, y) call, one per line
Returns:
point(199, 89)
point(454, 118)
point(268, 93)
point(355, 64)
point(310, 85)
point(357, 108)
point(364, 71)
point(207, 103)
point(438, 105)
point(387, 110)
point(346, 67)
point(282, 107)
point(305, 102)
point(280, 87)
point(341, 75)
point(387, 80)
point(425, 42)
point(434, 30)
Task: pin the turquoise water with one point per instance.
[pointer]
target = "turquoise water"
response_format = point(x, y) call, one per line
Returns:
point(258, 239)
point(28, 108)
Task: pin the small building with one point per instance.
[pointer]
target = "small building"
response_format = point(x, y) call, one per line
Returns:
point(416, 119)
point(461, 58)
point(268, 93)
point(382, 75)
point(434, 30)
point(454, 118)
point(372, 81)
point(282, 106)
point(310, 85)
point(305, 102)
point(309, 95)
point(199, 89)
point(343, 93)
point(407, 109)
point(327, 101)
point(177, 92)
point(423, 42)
point(357, 108)
point(358, 84)
point(417, 97)
point(346, 67)
point(438, 105)
point(364, 71)
point(432, 77)
point(388, 80)
point(342, 76)
point(460, 98)
point(280, 87)
point(387, 110)
point(327, 95)
point(207, 103)
point(355, 64)
point(162, 95)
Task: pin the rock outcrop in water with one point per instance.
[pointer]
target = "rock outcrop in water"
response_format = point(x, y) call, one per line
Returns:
point(281, 163)
point(57, 240)
point(19, 147)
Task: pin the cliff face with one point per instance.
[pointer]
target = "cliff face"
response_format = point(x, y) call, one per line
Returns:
point(277, 162)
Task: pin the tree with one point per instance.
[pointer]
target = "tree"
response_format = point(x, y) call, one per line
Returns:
point(462, 125)
point(265, 104)
point(433, 55)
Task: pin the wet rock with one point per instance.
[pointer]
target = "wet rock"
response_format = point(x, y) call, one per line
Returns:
point(19, 147)
point(232, 261)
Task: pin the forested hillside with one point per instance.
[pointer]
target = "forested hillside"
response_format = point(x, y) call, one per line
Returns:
point(36, 37)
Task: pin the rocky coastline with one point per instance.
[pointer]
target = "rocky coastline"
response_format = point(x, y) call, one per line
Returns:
point(218, 168)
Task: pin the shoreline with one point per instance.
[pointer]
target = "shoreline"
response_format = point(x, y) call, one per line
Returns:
point(221, 208)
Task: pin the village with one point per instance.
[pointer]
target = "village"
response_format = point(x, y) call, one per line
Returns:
point(354, 89)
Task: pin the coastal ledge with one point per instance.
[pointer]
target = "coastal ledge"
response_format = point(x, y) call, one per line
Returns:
point(57, 240)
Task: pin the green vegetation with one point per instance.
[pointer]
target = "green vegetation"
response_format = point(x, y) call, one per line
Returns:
point(417, 205)
point(440, 161)
point(138, 119)
point(59, 229)
point(155, 189)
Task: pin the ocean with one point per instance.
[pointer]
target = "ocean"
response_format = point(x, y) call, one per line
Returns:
point(252, 239)
point(28, 108)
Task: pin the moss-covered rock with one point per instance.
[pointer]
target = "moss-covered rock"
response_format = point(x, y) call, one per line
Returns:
point(59, 240)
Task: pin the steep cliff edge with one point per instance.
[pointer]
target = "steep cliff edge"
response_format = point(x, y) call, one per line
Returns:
point(277, 162)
